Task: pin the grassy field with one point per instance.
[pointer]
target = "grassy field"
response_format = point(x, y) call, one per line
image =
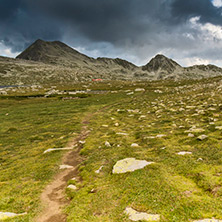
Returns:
point(177, 187)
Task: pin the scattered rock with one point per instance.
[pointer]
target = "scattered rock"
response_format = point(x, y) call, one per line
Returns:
point(160, 136)
point(107, 144)
point(82, 141)
point(138, 216)
point(218, 127)
point(56, 149)
point(184, 153)
point(62, 167)
point(195, 130)
point(72, 187)
point(139, 90)
point(129, 165)
point(124, 134)
point(134, 145)
point(7, 215)
point(106, 126)
point(116, 124)
point(98, 171)
point(190, 135)
point(202, 137)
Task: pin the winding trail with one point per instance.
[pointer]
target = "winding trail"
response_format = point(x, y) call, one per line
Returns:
point(53, 197)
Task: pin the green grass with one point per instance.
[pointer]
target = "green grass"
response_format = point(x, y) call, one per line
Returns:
point(179, 188)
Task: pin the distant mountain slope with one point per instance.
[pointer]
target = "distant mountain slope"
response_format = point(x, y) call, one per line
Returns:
point(56, 63)
point(53, 52)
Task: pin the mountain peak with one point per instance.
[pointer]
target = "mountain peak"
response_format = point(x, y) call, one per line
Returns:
point(54, 52)
point(161, 63)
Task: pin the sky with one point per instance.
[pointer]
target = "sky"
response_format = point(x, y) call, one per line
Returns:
point(188, 31)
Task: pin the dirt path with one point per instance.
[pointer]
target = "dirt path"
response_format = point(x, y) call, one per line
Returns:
point(53, 197)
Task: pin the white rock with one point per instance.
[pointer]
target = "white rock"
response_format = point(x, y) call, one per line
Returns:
point(129, 165)
point(124, 134)
point(82, 141)
point(184, 153)
point(107, 144)
point(202, 137)
point(218, 127)
point(62, 167)
point(6, 215)
point(134, 145)
point(160, 136)
point(190, 135)
point(138, 216)
point(56, 149)
point(98, 171)
point(105, 126)
point(72, 187)
point(139, 90)
point(116, 124)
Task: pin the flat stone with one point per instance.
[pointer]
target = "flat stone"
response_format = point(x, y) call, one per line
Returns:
point(139, 90)
point(190, 135)
point(98, 171)
point(184, 153)
point(7, 215)
point(134, 145)
point(202, 137)
point(218, 127)
point(138, 216)
point(62, 167)
point(160, 136)
point(129, 165)
point(107, 144)
point(124, 134)
point(72, 187)
point(208, 220)
point(56, 149)
point(195, 130)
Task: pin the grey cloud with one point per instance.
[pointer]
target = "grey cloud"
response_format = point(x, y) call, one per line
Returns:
point(133, 29)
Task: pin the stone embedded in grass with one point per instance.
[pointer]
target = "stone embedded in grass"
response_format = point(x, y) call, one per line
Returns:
point(7, 215)
point(72, 187)
point(138, 216)
point(202, 137)
point(62, 167)
point(57, 149)
point(139, 90)
point(124, 134)
point(195, 130)
point(160, 135)
point(82, 141)
point(107, 144)
point(182, 153)
point(134, 145)
point(190, 135)
point(218, 127)
point(98, 171)
point(208, 220)
point(129, 165)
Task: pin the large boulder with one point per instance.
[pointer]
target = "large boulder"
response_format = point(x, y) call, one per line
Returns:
point(129, 165)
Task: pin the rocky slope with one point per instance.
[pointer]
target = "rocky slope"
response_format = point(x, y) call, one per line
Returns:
point(56, 63)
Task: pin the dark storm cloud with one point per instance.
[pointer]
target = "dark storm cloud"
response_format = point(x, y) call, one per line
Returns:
point(139, 27)
point(185, 9)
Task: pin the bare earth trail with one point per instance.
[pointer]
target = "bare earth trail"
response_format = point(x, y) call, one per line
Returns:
point(53, 197)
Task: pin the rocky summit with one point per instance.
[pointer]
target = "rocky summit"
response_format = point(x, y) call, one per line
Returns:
point(54, 62)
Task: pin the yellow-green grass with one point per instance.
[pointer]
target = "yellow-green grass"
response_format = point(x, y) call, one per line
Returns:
point(179, 188)
point(29, 126)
